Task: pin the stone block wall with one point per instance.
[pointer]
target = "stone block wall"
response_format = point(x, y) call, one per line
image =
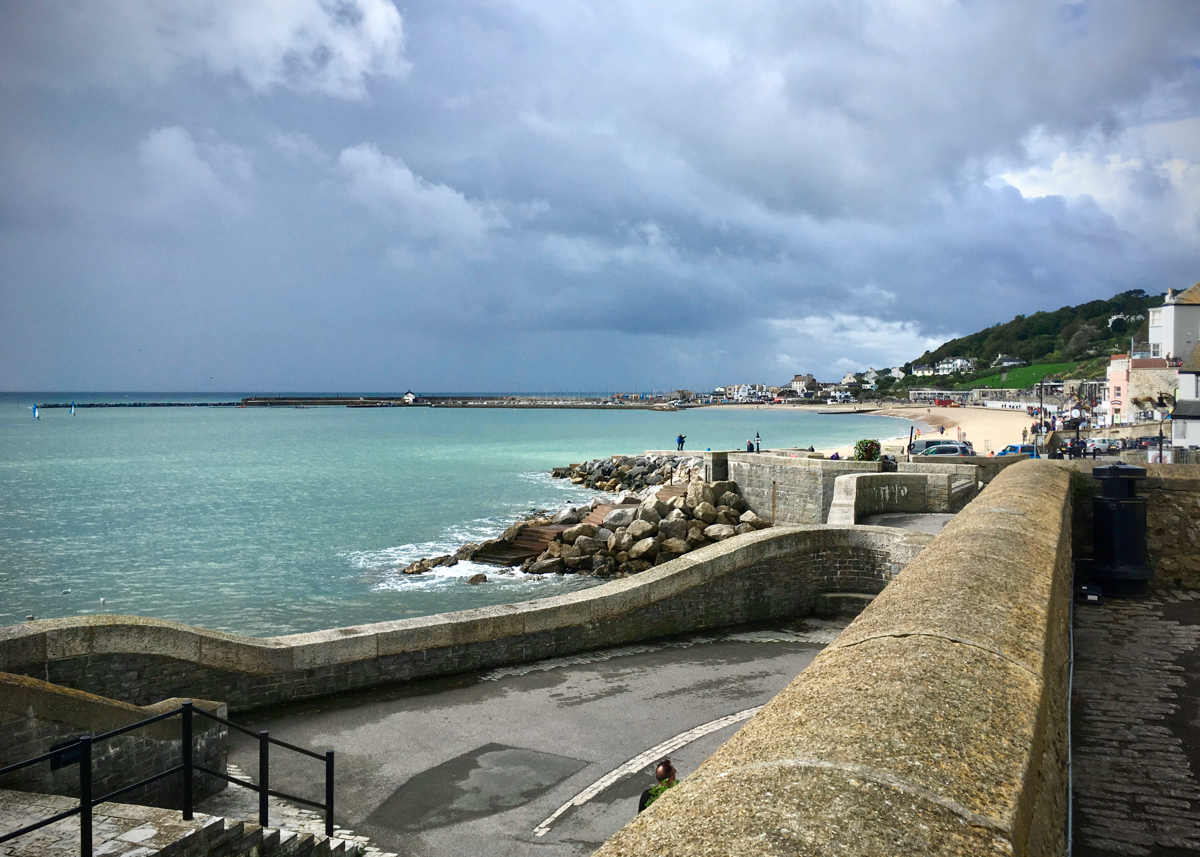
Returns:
point(36, 717)
point(934, 725)
point(758, 576)
point(790, 491)
point(1172, 493)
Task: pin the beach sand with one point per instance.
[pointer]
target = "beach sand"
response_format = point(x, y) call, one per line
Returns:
point(988, 429)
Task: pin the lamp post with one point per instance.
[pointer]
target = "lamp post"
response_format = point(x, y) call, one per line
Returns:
point(757, 443)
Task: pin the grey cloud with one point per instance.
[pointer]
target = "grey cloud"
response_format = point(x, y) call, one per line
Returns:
point(473, 195)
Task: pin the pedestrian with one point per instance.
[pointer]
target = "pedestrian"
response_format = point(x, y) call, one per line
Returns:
point(1024, 435)
point(749, 446)
point(941, 429)
point(664, 772)
point(679, 442)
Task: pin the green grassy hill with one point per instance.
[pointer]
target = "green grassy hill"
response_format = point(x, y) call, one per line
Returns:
point(1093, 330)
point(1026, 376)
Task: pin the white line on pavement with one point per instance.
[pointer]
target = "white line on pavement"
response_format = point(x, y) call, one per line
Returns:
point(638, 762)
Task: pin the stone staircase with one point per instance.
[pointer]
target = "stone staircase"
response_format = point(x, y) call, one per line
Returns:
point(127, 830)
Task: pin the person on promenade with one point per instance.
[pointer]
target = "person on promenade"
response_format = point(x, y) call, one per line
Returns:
point(1024, 435)
point(664, 772)
point(941, 429)
point(679, 442)
point(749, 446)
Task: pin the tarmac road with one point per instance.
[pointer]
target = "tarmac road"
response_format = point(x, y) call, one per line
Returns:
point(481, 764)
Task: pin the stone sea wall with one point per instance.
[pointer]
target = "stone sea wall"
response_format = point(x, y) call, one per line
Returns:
point(36, 716)
point(753, 577)
point(934, 725)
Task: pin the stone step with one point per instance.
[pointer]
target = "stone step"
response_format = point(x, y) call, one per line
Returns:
point(129, 830)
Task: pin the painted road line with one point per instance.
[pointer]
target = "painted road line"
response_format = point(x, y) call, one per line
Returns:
point(638, 762)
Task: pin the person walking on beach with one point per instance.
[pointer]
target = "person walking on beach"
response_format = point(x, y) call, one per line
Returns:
point(679, 442)
point(664, 772)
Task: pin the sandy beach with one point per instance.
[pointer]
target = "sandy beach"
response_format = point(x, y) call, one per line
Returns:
point(988, 429)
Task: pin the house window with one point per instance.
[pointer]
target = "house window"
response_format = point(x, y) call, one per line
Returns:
point(1155, 349)
point(1155, 317)
point(1117, 392)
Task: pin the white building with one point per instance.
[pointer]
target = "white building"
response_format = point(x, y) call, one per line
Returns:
point(955, 364)
point(897, 373)
point(849, 379)
point(1007, 361)
point(1175, 326)
point(1185, 416)
point(923, 371)
point(871, 377)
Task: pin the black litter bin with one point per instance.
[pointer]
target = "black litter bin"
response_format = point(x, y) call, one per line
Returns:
point(1120, 562)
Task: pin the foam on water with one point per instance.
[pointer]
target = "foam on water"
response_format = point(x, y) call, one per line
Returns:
point(275, 521)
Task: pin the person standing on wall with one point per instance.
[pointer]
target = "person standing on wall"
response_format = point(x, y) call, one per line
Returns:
point(679, 442)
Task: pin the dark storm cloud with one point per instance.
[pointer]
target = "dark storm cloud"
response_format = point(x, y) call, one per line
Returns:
point(332, 195)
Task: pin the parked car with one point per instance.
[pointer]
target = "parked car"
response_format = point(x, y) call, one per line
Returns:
point(1020, 449)
point(951, 448)
point(1103, 445)
point(919, 446)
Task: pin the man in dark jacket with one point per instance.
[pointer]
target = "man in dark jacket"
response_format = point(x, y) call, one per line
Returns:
point(664, 772)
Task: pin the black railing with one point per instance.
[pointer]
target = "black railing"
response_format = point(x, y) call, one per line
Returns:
point(82, 748)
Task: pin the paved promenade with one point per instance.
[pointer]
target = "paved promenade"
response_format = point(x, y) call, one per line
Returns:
point(1137, 727)
point(548, 758)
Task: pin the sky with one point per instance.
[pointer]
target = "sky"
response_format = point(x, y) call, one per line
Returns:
point(564, 195)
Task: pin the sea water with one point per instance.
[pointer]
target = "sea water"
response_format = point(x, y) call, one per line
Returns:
point(268, 521)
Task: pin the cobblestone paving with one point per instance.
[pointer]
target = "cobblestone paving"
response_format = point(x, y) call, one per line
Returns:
point(1136, 728)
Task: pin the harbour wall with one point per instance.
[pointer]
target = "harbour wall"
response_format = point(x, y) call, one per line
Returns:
point(789, 488)
point(754, 577)
point(936, 724)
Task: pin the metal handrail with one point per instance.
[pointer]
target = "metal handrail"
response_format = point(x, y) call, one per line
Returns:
point(188, 768)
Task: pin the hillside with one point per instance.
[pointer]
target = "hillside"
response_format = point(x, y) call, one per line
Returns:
point(1064, 335)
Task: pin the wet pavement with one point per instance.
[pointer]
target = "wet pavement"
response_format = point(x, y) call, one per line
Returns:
point(932, 522)
point(1136, 727)
point(537, 759)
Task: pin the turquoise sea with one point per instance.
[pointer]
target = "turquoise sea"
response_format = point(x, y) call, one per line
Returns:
point(273, 521)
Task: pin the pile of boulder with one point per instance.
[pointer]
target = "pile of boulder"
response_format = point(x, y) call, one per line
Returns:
point(632, 538)
point(630, 472)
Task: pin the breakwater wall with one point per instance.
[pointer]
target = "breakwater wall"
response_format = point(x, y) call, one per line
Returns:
point(36, 717)
point(789, 488)
point(753, 577)
point(936, 724)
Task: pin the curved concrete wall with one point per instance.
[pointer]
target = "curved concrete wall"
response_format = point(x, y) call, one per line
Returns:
point(758, 576)
point(934, 725)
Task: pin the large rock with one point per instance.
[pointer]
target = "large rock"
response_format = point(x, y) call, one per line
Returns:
point(754, 520)
point(721, 486)
point(604, 566)
point(676, 528)
point(547, 566)
point(467, 551)
point(706, 512)
point(675, 515)
point(695, 538)
point(652, 502)
point(742, 529)
point(645, 549)
point(637, 566)
point(587, 545)
point(513, 531)
point(719, 532)
point(677, 503)
point(642, 529)
point(619, 518)
point(566, 516)
point(619, 541)
point(647, 513)
point(476, 579)
point(676, 546)
point(731, 500)
point(570, 552)
point(727, 516)
point(603, 535)
point(572, 533)
point(698, 492)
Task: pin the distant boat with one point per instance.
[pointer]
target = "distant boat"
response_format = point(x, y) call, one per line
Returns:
point(36, 415)
point(72, 409)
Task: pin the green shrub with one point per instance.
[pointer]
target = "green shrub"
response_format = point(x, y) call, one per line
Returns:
point(866, 450)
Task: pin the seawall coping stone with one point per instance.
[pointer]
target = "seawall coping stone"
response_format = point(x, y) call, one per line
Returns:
point(935, 724)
